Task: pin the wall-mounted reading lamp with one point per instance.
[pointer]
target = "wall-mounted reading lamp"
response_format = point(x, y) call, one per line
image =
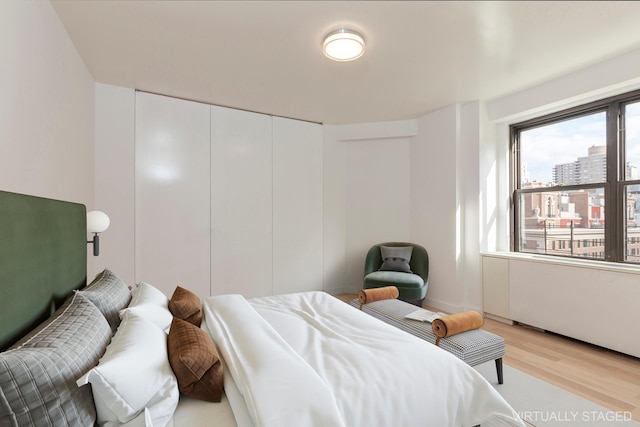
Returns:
point(97, 222)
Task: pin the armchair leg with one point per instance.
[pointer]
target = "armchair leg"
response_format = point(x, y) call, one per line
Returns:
point(499, 370)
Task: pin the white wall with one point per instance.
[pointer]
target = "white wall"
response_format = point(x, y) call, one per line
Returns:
point(442, 166)
point(114, 177)
point(433, 202)
point(468, 171)
point(378, 197)
point(607, 78)
point(46, 107)
point(367, 195)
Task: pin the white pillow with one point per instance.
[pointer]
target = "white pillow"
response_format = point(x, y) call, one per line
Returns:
point(142, 420)
point(134, 375)
point(150, 303)
point(144, 293)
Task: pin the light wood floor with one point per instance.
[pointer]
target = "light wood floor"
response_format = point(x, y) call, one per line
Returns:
point(605, 377)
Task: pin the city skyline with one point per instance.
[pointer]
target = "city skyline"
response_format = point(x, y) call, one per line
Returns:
point(545, 147)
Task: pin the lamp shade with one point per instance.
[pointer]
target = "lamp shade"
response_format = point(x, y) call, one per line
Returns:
point(97, 222)
point(343, 45)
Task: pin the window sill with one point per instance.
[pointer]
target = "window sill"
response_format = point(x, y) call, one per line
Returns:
point(569, 262)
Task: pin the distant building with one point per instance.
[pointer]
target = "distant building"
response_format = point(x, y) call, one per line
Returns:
point(564, 174)
point(593, 168)
point(584, 170)
point(572, 222)
point(587, 170)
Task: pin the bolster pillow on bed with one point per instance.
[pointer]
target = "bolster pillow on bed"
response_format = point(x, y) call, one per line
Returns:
point(376, 294)
point(454, 324)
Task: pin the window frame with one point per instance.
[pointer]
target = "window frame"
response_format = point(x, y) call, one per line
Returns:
point(614, 187)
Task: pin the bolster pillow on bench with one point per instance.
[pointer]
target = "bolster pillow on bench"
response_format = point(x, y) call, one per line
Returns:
point(454, 324)
point(376, 294)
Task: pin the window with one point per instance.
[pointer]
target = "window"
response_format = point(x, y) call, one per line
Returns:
point(575, 180)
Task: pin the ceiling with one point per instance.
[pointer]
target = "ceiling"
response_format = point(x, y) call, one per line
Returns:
point(266, 56)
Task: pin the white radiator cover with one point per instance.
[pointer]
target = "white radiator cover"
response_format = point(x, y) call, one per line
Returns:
point(594, 304)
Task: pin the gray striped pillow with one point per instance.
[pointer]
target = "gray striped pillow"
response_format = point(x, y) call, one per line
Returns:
point(110, 294)
point(39, 374)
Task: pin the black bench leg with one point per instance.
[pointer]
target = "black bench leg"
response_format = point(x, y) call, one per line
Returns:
point(499, 370)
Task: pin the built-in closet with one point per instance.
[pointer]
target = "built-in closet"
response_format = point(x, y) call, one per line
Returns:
point(225, 201)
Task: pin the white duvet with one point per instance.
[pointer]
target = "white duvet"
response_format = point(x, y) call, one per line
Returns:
point(308, 359)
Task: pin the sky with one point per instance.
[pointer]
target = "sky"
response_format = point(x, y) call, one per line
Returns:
point(544, 147)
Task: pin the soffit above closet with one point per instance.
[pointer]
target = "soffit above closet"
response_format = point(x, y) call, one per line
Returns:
point(420, 56)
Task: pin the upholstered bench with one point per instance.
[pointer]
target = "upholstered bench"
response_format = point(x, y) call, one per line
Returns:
point(473, 347)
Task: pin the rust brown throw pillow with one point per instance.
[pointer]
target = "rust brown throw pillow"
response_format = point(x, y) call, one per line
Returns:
point(195, 361)
point(186, 305)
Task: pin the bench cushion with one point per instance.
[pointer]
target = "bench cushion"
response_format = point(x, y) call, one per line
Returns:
point(473, 347)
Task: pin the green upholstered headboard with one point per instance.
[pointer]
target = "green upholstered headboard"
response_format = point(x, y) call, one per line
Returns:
point(43, 258)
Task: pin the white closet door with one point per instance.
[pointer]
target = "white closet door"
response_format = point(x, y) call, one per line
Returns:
point(297, 206)
point(172, 216)
point(241, 203)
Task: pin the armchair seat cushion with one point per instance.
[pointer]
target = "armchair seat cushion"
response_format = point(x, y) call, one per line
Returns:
point(384, 278)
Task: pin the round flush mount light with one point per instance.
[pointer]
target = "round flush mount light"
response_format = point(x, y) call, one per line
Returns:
point(343, 45)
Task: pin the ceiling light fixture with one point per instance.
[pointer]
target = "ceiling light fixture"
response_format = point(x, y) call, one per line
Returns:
point(343, 45)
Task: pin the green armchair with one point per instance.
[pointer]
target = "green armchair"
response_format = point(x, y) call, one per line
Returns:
point(411, 286)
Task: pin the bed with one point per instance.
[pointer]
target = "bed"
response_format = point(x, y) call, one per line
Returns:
point(113, 356)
